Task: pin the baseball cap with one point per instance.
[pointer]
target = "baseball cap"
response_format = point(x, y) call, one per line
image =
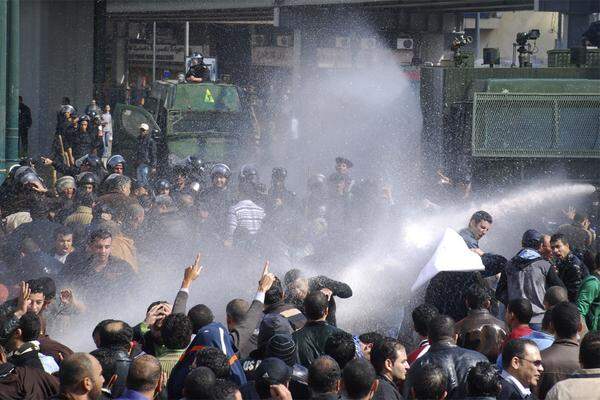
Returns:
point(271, 325)
point(273, 371)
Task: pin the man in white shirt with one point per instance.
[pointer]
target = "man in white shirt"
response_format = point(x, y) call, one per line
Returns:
point(106, 120)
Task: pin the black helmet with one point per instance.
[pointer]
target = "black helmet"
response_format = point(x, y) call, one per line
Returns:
point(22, 170)
point(27, 162)
point(29, 177)
point(84, 118)
point(279, 173)
point(194, 163)
point(197, 56)
point(89, 159)
point(316, 181)
point(162, 184)
point(114, 161)
point(67, 108)
point(87, 178)
point(220, 169)
point(248, 174)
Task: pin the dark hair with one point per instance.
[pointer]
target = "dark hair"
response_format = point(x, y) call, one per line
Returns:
point(86, 199)
point(532, 239)
point(315, 305)
point(291, 276)
point(100, 327)
point(522, 310)
point(73, 370)
point(275, 293)
point(236, 309)
point(214, 359)
point(358, 377)
point(565, 320)
point(589, 350)
point(481, 216)
point(429, 382)
point(476, 297)
point(155, 303)
point(555, 295)
point(440, 328)
point(62, 231)
point(370, 337)
point(422, 316)
point(199, 383)
point(44, 285)
point(559, 236)
point(116, 335)
point(483, 380)
point(99, 234)
point(30, 326)
point(176, 331)
point(144, 373)
point(108, 360)
point(515, 348)
point(323, 374)
point(579, 217)
point(200, 315)
point(384, 349)
point(340, 346)
point(223, 390)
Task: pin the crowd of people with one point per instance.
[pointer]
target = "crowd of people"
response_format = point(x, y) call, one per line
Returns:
point(523, 328)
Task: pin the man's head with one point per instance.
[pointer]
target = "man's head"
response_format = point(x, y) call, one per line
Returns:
point(532, 239)
point(566, 320)
point(422, 316)
point(589, 350)
point(581, 220)
point(555, 295)
point(225, 390)
point(367, 340)
point(324, 376)
point(546, 248)
point(340, 346)
point(483, 380)
point(271, 371)
point(81, 375)
point(108, 359)
point(63, 241)
point(429, 382)
point(100, 245)
point(37, 297)
point(518, 312)
point(440, 329)
point(359, 380)
point(144, 129)
point(144, 374)
point(213, 358)
point(275, 293)
point(27, 329)
point(115, 335)
point(298, 289)
point(236, 312)
point(176, 331)
point(343, 165)
point(316, 306)
point(282, 346)
point(199, 383)
point(560, 246)
point(521, 358)
point(477, 298)
point(480, 223)
point(200, 315)
point(388, 357)
point(272, 324)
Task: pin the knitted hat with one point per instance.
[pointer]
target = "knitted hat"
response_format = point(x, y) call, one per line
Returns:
point(282, 346)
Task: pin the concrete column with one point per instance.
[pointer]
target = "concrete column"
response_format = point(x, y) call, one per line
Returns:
point(12, 83)
point(574, 26)
point(3, 30)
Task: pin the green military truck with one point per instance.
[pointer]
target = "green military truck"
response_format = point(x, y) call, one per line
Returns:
point(211, 120)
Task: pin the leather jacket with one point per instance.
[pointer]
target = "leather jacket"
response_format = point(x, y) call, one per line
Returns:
point(572, 272)
point(469, 328)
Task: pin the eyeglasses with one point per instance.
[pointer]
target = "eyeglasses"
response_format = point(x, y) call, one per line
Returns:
point(537, 363)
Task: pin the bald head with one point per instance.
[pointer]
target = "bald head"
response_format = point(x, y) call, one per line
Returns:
point(80, 373)
point(324, 375)
point(236, 310)
point(144, 374)
point(116, 335)
point(555, 295)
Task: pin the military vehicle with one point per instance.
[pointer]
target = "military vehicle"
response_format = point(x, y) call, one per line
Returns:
point(210, 120)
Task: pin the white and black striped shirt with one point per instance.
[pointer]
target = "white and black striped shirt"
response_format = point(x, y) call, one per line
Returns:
point(245, 214)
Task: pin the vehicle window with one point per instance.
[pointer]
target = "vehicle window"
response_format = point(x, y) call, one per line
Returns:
point(131, 119)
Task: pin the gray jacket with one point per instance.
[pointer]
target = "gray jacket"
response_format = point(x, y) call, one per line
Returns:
point(527, 275)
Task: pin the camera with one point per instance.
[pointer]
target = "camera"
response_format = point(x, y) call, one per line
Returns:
point(523, 37)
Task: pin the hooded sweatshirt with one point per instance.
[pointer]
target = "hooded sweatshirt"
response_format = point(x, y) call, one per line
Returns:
point(527, 275)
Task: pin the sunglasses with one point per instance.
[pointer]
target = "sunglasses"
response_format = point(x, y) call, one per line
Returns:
point(536, 363)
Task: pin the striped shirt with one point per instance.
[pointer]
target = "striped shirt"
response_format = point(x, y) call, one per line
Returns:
point(245, 214)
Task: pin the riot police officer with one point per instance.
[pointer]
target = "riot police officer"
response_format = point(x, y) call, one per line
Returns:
point(198, 72)
point(162, 187)
point(116, 164)
point(214, 202)
point(278, 195)
point(87, 182)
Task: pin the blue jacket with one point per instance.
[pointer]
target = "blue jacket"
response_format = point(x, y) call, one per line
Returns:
point(212, 335)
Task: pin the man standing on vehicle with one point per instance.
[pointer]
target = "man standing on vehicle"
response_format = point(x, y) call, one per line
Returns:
point(146, 155)
point(198, 72)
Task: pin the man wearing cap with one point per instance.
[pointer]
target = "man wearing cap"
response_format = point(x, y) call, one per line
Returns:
point(271, 371)
point(527, 275)
point(146, 154)
point(63, 206)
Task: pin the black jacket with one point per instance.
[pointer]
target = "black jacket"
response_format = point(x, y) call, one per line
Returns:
point(339, 289)
point(386, 390)
point(310, 340)
point(455, 361)
point(510, 392)
point(146, 151)
point(572, 272)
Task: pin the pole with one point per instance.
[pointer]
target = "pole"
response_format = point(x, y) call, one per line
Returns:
point(477, 35)
point(12, 83)
point(153, 51)
point(3, 30)
point(187, 39)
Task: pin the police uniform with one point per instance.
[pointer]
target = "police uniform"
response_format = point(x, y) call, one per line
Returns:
point(198, 71)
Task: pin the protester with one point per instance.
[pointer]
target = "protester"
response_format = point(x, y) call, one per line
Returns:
point(522, 369)
point(483, 382)
point(422, 315)
point(359, 380)
point(80, 377)
point(144, 380)
point(388, 357)
point(571, 270)
point(324, 379)
point(430, 383)
point(588, 300)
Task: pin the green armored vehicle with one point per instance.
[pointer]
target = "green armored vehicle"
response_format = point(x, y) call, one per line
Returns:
point(210, 120)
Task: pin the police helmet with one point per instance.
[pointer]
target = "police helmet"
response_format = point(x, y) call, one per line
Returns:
point(248, 174)
point(29, 177)
point(22, 170)
point(114, 161)
point(13, 169)
point(67, 108)
point(220, 169)
point(197, 56)
point(27, 162)
point(87, 178)
point(316, 181)
point(92, 114)
point(84, 118)
point(89, 159)
point(194, 162)
point(162, 185)
point(279, 173)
